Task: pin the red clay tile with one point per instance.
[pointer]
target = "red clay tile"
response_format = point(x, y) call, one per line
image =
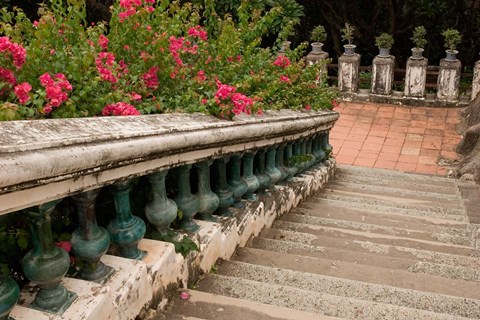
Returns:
point(431, 145)
point(452, 140)
point(416, 130)
point(441, 171)
point(436, 125)
point(403, 110)
point(410, 151)
point(417, 124)
point(357, 137)
point(394, 142)
point(383, 121)
point(388, 156)
point(426, 169)
point(419, 117)
point(414, 137)
point(345, 159)
point(364, 162)
point(416, 110)
point(406, 166)
point(453, 112)
point(429, 152)
point(385, 114)
point(385, 164)
point(392, 149)
point(402, 129)
point(371, 147)
point(400, 122)
point(351, 145)
point(402, 116)
point(374, 140)
point(434, 132)
point(407, 158)
point(412, 144)
point(448, 154)
point(431, 138)
point(427, 160)
point(370, 107)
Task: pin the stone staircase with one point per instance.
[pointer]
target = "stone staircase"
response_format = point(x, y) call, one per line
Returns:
point(374, 244)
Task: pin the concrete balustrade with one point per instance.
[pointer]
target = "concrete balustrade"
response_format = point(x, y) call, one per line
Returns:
point(56, 159)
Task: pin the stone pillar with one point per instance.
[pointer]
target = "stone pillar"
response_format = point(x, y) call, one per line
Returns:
point(476, 80)
point(382, 75)
point(416, 78)
point(448, 81)
point(348, 72)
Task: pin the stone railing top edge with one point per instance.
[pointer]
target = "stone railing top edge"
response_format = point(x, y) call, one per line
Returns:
point(31, 135)
point(142, 139)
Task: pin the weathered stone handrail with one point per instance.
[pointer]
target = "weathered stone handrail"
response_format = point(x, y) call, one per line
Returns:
point(50, 159)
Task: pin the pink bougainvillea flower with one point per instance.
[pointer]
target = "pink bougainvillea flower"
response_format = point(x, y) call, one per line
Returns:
point(224, 91)
point(150, 78)
point(282, 62)
point(65, 245)
point(260, 112)
point(201, 76)
point(103, 42)
point(335, 104)
point(308, 107)
point(198, 32)
point(184, 295)
point(135, 96)
point(120, 109)
point(46, 79)
point(18, 53)
point(8, 76)
point(55, 89)
point(285, 79)
point(21, 91)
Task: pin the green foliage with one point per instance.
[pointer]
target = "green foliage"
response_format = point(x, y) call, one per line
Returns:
point(365, 78)
point(184, 246)
point(418, 37)
point(384, 40)
point(452, 38)
point(298, 160)
point(347, 33)
point(318, 34)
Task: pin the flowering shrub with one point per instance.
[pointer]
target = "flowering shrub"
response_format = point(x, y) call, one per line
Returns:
point(154, 57)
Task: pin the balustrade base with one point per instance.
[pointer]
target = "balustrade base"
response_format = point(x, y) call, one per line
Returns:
point(138, 285)
point(405, 100)
point(92, 303)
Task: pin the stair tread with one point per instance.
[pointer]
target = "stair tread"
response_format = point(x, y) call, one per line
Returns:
point(447, 268)
point(382, 276)
point(209, 306)
point(311, 301)
point(457, 306)
point(460, 238)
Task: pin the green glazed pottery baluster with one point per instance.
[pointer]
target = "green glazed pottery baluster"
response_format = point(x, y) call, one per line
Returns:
point(126, 230)
point(235, 181)
point(160, 211)
point(46, 265)
point(271, 170)
point(310, 152)
point(209, 201)
point(252, 182)
point(320, 154)
point(326, 145)
point(186, 201)
point(221, 188)
point(90, 242)
point(279, 161)
point(292, 169)
point(263, 179)
point(9, 294)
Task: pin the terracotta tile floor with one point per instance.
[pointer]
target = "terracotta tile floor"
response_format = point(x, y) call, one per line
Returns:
point(412, 139)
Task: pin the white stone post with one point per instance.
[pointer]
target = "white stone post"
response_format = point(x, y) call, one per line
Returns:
point(476, 80)
point(416, 78)
point(448, 81)
point(382, 75)
point(348, 72)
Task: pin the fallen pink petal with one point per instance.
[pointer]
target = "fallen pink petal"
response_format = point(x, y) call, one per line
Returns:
point(184, 295)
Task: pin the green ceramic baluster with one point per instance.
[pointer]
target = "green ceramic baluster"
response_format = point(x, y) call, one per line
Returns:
point(126, 230)
point(90, 242)
point(326, 145)
point(252, 182)
point(310, 151)
point(263, 179)
point(320, 154)
point(187, 202)
point(220, 187)
point(160, 211)
point(235, 181)
point(209, 201)
point(279, 163)
point(271, 169)
point(46, 265)
point(291, 169)
point(9, 294)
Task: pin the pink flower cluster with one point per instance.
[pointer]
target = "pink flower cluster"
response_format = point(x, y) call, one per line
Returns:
point(104, 63)
point(120, 109)
point(56, 90)
point(226, 93)
point(150, 78)
point(103, 42)
point(18, 52)
point(21, 91)
point(198, 32)
point(178, 45)
point(131, 7)
point(8, 76)
point(285, 79)
point(282, 62)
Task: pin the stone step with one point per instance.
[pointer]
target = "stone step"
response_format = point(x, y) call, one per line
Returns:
point(421, 223)
point(460, 239)
point(395, 175)
point(311, 301)
point(406, 262)
point(408, 193)
point(372, 181)
point(326, 236)
point(364, 273)
point(203, 305)
point(339, 287)
point(387, 207)
point(396, 201)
